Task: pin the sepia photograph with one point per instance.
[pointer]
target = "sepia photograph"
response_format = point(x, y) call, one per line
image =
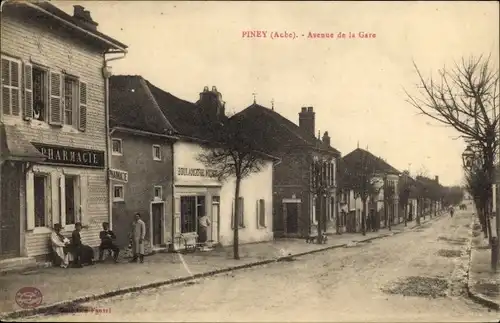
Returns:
point(249, 161)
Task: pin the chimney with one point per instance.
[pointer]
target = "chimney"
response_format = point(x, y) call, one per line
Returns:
point(211, 102)
point(306, 120)
point(437, 179)
point(83, 17)
point(326, 139)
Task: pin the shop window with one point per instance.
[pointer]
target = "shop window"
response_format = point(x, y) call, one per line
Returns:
point(72, 193)
point(41, 194)
point(11, 84)
point(118, 194)
point(156, 152)
point(117, 146)
point(192, 207)
point(40, 92)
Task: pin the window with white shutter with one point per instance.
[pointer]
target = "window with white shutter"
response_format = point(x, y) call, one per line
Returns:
point(240, 216)
point(261, 213)
point(55, 107)
point(11, 86)
point(82, 110)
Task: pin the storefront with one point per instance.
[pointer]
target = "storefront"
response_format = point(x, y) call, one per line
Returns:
point(196, 193)
point(69, 186)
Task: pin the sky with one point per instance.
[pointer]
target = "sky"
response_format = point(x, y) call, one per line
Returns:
point(356, 85)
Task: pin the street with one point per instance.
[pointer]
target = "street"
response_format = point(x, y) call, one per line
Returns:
point(413, 276)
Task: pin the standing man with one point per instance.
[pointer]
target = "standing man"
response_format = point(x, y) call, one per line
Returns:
point(204, 223)
point(137, 236)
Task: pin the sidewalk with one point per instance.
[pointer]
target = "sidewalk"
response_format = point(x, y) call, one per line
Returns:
point(108, 279)
point(483, 285)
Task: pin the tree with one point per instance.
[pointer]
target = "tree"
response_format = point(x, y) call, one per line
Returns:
point(232, 152)
point(404, 190)
point(389, 195)
point(362, 178)
point(476, 186)
point(466, 98)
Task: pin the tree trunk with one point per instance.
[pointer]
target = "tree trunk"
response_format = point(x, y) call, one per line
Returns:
point(236, 221)
point(406, 214)
point(419, 210)
point(385, 214)
point(391, 217)
point(363, 217)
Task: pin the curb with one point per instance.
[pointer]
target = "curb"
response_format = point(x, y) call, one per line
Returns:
point(55, 307)
point(475, 296)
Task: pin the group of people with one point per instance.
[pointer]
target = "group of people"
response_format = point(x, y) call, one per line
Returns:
point(82, 254)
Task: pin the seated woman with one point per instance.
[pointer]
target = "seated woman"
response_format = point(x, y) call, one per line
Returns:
point(60, 245)
point(83, 254)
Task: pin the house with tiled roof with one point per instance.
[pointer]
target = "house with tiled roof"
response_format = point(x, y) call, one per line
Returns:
point(296, 206)
point(53, 126)
point(189, 188)
point(382, 205)
point(141, 161)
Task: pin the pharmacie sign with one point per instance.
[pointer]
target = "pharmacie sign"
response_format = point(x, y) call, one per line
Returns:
point(71, 156)
point(118, 175)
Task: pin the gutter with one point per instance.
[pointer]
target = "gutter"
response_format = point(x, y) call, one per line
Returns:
point(143, 133)
point(107, 74)
point(31, 5)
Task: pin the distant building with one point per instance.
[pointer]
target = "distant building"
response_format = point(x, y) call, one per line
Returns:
point(53, 124)
point(296, 208)
point(380, 205)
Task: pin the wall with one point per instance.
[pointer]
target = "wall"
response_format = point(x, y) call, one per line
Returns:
point(35, 43)
point(143, 174)
point(255, 186)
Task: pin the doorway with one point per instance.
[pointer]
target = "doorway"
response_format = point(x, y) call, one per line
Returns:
point(214, 232)
point(292, 217)
point(10, 212)
point(157, 222)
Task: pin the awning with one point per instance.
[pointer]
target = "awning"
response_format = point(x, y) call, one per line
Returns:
point(15, 146)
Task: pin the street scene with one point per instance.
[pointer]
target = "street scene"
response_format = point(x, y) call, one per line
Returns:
point(249, 161)
point(412, 276)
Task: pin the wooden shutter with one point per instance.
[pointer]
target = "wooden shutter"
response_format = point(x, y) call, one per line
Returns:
point(56, 110)
point(28, 92)
point(54, 193)
point(62, 199)
point(82, 110)
point(15, 81)
point(30, 201)
point(241, 219)
point(83, 207)
point(257, 213)
point(262, 213)
point(177, 215)
point(5, 83)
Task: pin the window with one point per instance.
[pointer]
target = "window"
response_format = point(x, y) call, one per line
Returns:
point(41, 191)
point(158, 192)
point(118, 194)
point(40, 94)
point(261, 213)
point(192, 207)
point(240, 215)
point(156, 152)
point(70, 100)
point(71, 192)
point(314, 209)
point(117, 147)
point(11, 84)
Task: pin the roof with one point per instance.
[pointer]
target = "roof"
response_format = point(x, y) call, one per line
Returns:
point(186, 118)
point(14, 146)
point(47, 7)
point(271, 130)
point(377, 164)
point(132, 106)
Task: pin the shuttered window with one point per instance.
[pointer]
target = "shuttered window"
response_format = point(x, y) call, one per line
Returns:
point(11, 86)
point(261, 213)
point(55, 106)
point(240, 217)
point(82, 110)
point(71, 100)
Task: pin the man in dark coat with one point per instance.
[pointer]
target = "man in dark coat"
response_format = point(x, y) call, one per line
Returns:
point(107, 242)
point(83, 254)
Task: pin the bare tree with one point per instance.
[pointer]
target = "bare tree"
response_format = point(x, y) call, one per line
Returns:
point(233, 152)
point(466, 98)
point(404, 190)
point(363, 179)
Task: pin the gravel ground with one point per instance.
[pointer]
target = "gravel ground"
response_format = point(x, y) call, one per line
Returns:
point(365, 283)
